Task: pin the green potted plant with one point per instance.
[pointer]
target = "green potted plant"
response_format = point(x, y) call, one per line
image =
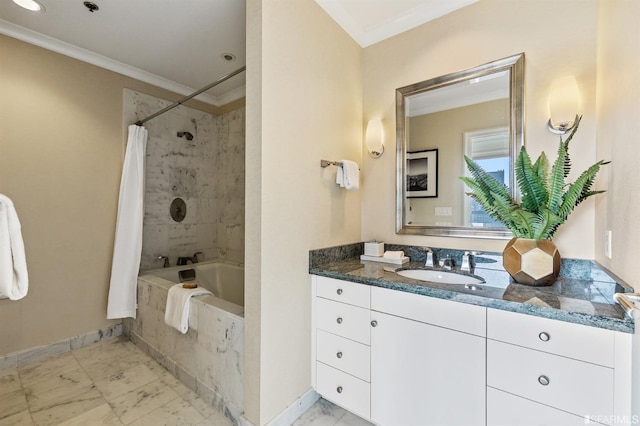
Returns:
point(546, 201)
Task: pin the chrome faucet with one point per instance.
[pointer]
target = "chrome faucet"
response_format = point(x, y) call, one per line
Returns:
point(447, 263)
point(431, 261)
point(194, 258)
point(468, 264)
point(166, 263)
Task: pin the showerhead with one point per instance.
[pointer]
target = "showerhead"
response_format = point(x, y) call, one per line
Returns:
point(187, 135)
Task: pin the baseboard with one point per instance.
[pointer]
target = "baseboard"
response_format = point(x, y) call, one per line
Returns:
point(295, 410)
point(40, 353)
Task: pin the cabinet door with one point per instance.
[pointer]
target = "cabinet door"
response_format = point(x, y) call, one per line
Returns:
point(425, 375)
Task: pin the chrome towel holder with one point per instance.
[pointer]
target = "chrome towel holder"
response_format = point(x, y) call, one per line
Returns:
point(626, 300)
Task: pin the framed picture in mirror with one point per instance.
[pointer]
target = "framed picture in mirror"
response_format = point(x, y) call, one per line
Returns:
point(422, 173)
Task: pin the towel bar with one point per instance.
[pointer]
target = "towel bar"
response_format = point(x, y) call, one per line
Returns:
point(626, 301)
point(326, 163)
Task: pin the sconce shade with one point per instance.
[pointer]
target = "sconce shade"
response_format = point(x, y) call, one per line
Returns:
point(31, 5)
point(374, 138)
point(564, 105)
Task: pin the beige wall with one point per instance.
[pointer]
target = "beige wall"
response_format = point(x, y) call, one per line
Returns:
point(618, 136)
point(558, 39)
point(310, 109)
point(61, 151)
point(618, 110)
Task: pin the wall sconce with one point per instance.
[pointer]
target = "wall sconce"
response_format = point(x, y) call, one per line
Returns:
point(374, 138)
point(564, 105)
point(31, 5)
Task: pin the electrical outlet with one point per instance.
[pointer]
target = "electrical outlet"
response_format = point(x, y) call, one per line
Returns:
point(607, 244)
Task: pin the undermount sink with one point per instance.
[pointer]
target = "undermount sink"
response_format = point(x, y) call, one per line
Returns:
point(436, 276)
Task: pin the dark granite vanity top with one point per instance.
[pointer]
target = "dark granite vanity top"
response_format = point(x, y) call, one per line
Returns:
point(583, 294)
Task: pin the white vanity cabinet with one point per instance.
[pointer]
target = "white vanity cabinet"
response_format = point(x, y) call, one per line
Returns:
point(554, 372)
point(399, 358)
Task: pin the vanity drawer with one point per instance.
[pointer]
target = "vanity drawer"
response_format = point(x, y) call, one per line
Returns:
point(344, 320)
point(344, 354)
point(577, 387)
point(345, 390)
point(458, 316)
point(576, 341)
point(505, 409)
point(343, 291)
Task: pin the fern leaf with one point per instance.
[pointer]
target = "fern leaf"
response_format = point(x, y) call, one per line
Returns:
point(532, 187)
point(545, 224)
point(556, 179)
point(487, 182)
point(579, 190)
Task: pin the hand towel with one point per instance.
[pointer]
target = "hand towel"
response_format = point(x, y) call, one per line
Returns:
point(176, 313)
point(393, 254)
point(14, 279)
point(348, 175)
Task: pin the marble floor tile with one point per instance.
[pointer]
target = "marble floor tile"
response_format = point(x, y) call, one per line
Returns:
point(60, 410)
point(22, 418)
point(12, 403)
point(175, 413)
point(105, 350)
point(135, 404)
point(43, 370)
point(104, 369)
point(57, 389)
point(9, 381)
point(325, 413)
point(125, 381)
point(102, 415)
point(216, 419)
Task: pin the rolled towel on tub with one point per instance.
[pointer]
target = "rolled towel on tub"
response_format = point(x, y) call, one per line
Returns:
point(176, 313)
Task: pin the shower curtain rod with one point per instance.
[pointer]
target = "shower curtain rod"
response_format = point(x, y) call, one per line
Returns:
point(194, 94)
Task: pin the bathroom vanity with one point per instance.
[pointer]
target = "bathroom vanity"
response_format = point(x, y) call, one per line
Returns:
point(395, 350)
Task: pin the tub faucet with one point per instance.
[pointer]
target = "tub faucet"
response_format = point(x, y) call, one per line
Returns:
point(184, 260)
point(194, 258)
point(166, 263)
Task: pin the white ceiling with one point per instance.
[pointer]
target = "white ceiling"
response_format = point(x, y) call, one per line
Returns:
point(178, 44)
point(371, 21)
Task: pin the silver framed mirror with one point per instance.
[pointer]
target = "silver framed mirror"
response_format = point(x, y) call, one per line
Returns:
point(478, 112)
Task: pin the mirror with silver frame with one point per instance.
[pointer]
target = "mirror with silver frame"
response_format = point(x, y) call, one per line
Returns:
point(477, 112)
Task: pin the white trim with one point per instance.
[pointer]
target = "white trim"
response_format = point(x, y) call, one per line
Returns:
point(295, 410)
point(409, 19)
point(84, 55)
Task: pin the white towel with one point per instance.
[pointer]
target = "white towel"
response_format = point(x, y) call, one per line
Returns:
point(393, 254)
point(14, 279)
point(176, 313)
point(348, 175)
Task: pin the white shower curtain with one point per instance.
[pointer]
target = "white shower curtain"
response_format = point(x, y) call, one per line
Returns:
point(128, 242)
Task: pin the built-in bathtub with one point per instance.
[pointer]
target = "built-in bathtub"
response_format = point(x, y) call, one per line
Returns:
point(209, 357)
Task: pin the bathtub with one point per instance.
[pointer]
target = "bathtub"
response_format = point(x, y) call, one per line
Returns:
point(224, 280)
point(208, 359)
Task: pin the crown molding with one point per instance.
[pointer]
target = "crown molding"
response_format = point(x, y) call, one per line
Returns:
point(84, 55)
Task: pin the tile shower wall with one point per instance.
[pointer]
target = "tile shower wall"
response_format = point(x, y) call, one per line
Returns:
point(206, 172)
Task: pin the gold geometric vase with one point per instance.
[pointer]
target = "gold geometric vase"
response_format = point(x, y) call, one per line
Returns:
point(532, 262)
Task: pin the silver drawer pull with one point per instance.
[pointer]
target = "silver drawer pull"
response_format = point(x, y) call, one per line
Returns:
point(544, 336)
point(339, 389)
point(339, 320)
point(374, 323)
point(544, 380)
point(339, 355)
point(339, 291)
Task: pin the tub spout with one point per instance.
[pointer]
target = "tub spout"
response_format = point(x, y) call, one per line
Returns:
point(184, 260)
point(166, 263)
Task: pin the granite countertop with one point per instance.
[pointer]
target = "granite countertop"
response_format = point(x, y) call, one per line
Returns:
point(583, 294)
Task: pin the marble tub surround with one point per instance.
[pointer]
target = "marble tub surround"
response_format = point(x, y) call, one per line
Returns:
point(207, 172)
point(208, 359)
point(583, 294)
